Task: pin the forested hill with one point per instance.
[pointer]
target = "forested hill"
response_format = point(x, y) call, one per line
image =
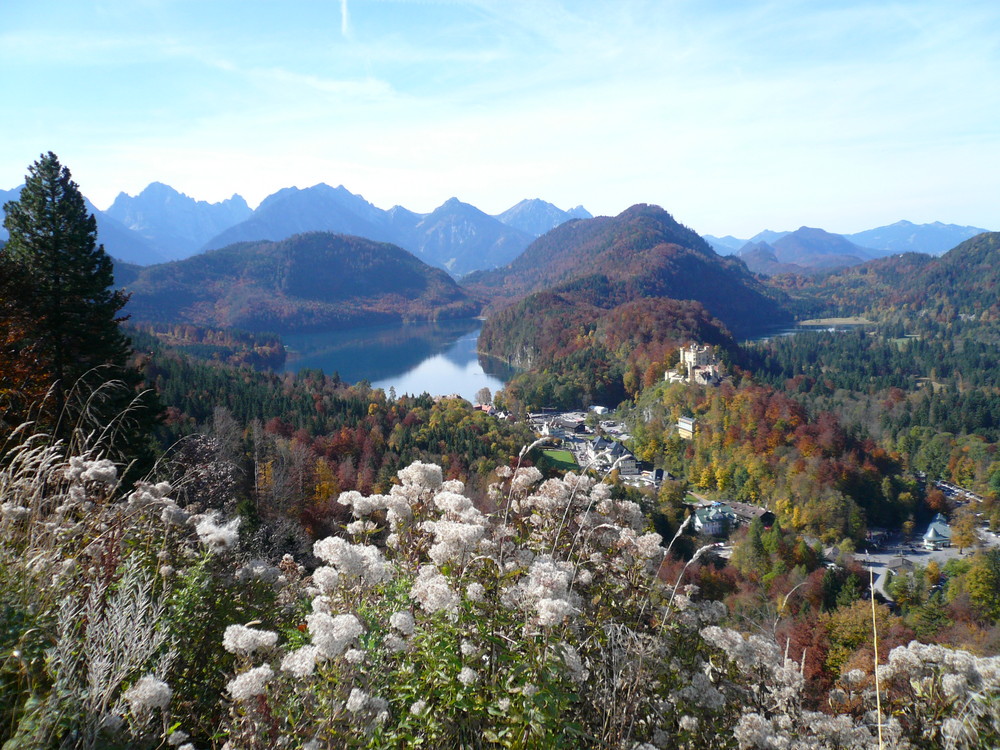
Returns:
point(642, 252)
point(962, 282)
point(310, 281)
point(580, 354)
point(967, 278)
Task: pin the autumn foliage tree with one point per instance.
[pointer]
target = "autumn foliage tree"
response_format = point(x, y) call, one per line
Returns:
point(25, 372)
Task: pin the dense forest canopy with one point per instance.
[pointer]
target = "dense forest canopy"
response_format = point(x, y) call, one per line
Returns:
point(314, 281)
point(642, 252)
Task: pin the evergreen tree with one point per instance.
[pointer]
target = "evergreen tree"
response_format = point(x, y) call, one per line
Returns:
point(61, 280)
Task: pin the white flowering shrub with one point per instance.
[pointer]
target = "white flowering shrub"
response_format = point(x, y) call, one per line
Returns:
point(942, 697)
point(130, 620)
point(541, 625)
point(114, 603)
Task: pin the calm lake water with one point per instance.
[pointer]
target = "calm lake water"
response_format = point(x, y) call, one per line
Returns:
point(439, 358)
point(794, 328)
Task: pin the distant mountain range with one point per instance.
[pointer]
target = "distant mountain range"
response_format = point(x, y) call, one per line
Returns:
point(810, 250)
point(174, 223)
point(536, 217)
point(456, 236)
point(161, 224)
point(806, 250)
point(120, 241)
point(962, 283)
point(905, 237)
point(311, 281)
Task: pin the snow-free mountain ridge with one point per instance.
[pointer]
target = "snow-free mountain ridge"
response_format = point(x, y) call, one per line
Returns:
point(174, 223)
point(456, 236)
point(902, 237)
point(161, 224)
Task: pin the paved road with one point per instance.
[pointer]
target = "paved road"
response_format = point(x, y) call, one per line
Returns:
point(877, 561)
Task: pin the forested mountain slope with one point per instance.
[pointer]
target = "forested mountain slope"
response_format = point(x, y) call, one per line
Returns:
point(642, 252)
point(310, 281)
point(963, 281)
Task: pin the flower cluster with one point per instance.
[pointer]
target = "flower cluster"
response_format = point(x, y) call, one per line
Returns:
point(148, 693)
point(432, 590)
point(331, 635)
point(239, 639)
point(546, 594)
point(216, 536)
point(363, 564)
point(101, 471)
point(250, 683)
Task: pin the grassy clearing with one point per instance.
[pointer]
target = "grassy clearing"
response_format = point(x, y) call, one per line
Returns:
point(562, 459)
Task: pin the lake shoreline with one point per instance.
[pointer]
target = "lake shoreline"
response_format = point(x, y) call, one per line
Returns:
point(439, 357)
point(850, 321)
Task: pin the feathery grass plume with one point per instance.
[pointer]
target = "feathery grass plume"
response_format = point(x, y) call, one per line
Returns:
point(878, 692)
point(103, 642)
point(83, 601)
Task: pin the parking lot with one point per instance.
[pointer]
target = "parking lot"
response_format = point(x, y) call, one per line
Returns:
point(877, 560)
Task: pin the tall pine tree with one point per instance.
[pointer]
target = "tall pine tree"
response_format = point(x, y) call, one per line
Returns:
point(60, 279)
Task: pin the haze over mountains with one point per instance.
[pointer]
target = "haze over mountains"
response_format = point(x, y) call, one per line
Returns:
point(173, 222)
point(578, 273)
point(161, 224)
point(810, 250)
point(961, 284)
point(805, 250)
point(456, 236)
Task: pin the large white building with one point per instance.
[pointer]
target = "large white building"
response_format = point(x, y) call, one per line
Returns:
point(697, 365)
point(696, 355)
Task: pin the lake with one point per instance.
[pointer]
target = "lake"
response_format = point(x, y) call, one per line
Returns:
point(822, 324)
point(439, 358)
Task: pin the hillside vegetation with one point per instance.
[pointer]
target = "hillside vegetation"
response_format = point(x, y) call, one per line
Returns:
point(308, 282)
point(642, 252)
point(963, 281)
point(597, 307)
point(577, 353)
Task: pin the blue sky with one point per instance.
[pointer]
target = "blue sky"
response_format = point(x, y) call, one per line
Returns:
point(734, 116)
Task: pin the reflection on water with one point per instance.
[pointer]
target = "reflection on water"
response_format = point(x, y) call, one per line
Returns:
point(439, 358)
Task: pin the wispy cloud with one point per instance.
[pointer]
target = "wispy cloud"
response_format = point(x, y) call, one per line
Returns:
point(755, 114)
point(345, 20)
point(367, 88)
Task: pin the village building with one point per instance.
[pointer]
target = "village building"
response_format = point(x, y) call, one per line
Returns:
point(614, 454)
point(560, 425)
point(717, 519)
point(685, 427)
point(876, 536)
point(938, 534)
point(720, 518)
point(748, 513)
